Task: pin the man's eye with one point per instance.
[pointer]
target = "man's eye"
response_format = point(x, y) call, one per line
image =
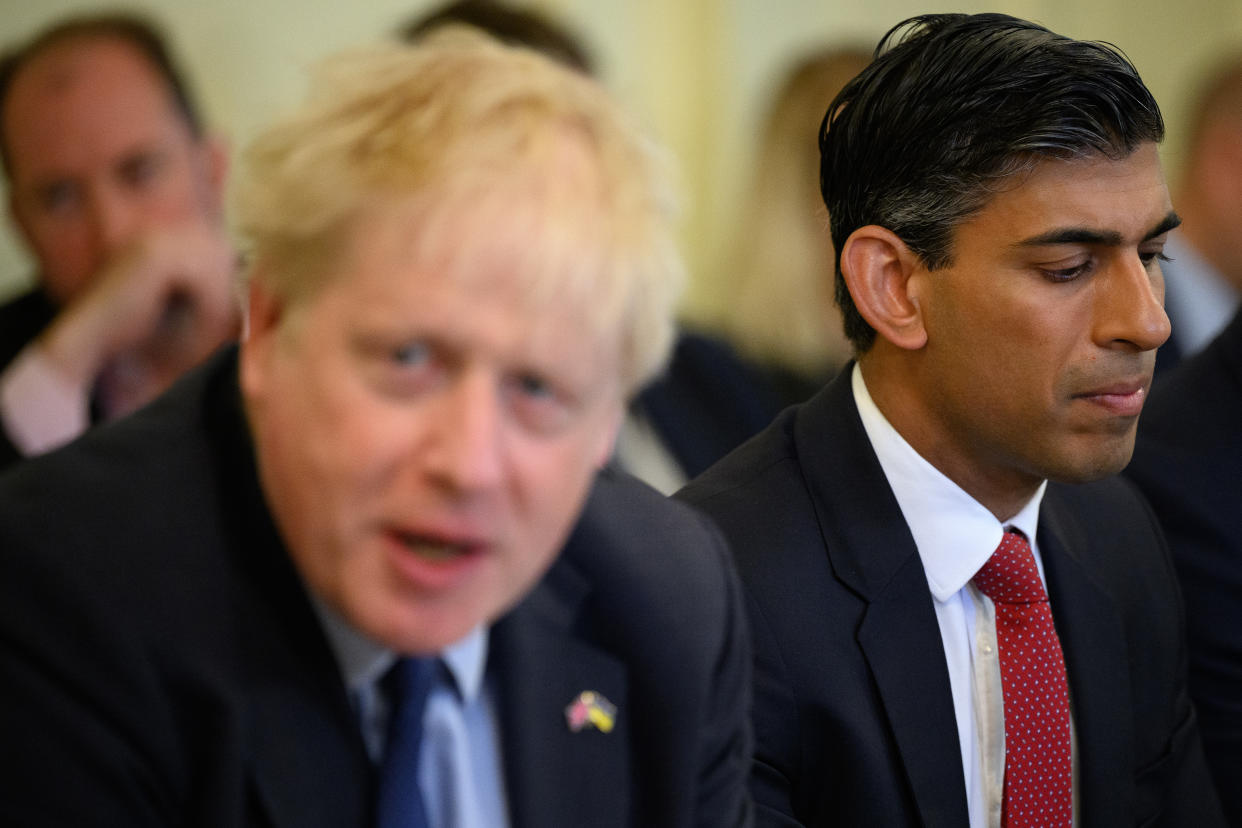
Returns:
point(412, 354)
point(533, 386)
point(1152, 256)
point(58, 197)
point(1067, 274)
point(140, 170)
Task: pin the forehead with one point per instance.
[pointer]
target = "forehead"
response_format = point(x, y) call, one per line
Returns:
point(1124, 198)
point(461, 267)
point(84, 97)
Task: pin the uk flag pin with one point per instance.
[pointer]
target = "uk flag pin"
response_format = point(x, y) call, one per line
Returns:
point(591, 709)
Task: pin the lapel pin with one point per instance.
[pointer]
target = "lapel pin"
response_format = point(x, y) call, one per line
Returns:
point(591, 709)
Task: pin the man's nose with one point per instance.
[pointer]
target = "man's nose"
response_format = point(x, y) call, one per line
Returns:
point(1130, 308)
point(466, 451)
point(114, 218)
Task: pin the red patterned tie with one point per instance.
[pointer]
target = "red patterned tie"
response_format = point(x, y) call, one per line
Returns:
point(1038, 784)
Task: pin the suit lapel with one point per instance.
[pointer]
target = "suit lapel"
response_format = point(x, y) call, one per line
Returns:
point(1093, 641)
point(554, 775)
point(308, 765)
point(306, 752)
point(872, 552)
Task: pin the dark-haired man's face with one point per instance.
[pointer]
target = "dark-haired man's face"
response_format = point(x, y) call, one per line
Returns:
point(1041, 336)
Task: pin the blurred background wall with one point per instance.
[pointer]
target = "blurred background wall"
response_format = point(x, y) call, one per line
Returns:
point(698, 72)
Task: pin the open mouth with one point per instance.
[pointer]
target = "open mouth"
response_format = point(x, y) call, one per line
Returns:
point(433, 550)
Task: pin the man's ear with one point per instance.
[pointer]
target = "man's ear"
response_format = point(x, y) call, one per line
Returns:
point(881, 274)
point(263, 315)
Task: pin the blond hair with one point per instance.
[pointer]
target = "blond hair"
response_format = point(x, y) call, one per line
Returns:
point(476, 132)
point(780, 270)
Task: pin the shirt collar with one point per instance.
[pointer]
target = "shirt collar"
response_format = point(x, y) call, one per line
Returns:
point(954, 533)
point(362, 660)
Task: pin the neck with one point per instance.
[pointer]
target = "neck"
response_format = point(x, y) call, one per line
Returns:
point(894, 387)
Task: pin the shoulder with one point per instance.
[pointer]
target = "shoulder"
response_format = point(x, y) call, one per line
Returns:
point(129, 460)
point(1201, 398)
point(637, 546)
point(758, 471)
point(1117, 538)
point(1108, 513)
point(111, 510)
point(763, 496)
point(1187, 453)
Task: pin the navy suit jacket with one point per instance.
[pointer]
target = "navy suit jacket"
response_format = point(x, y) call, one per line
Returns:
point(162, 664)
point(1188, 462)
point(853, 712)
point(707, 402)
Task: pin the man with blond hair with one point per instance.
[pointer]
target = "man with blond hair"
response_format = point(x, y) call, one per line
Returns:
point(365, 568)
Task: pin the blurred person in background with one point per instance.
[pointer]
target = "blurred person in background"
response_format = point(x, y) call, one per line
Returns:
point(116, 189)
point(1203, 276)
point(777, 305)
point(707, 399)
point(1188, 456)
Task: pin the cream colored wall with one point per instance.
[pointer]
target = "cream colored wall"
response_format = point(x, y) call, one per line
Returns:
point(696, 71)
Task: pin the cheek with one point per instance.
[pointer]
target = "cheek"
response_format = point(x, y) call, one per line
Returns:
point(552, 490)
point(66, 257)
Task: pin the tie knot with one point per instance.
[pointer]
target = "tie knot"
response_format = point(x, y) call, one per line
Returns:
point(1010, 575)
point(406, 687)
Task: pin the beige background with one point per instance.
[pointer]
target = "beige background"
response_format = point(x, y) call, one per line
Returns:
point(697, 71)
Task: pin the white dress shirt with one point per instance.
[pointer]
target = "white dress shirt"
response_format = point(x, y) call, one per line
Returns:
point(955, 536)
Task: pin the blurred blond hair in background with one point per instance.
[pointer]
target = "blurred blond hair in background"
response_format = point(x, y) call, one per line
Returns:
point(776, 285)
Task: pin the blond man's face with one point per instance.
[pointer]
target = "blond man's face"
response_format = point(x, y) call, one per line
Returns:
point(425, 442)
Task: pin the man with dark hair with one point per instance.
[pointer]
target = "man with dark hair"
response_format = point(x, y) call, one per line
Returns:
point(959, 617)
point(117, 192)
point(508, 24)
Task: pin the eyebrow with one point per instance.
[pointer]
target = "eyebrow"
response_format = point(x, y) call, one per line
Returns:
point(1082, 235)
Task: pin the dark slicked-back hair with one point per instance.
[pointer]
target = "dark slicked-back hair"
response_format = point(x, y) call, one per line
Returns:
point(140, 33)
point(951, 106)
point(514, 26)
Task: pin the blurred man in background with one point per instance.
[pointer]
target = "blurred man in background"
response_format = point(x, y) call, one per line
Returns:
point(1188, 457)
point(117, 192)
point(1203, 274)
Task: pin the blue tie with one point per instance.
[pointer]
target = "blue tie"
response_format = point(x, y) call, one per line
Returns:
point(407, 685)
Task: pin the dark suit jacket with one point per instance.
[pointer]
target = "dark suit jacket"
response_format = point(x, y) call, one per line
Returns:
point(21, 320)
point(162, 665)
point(1188, 462)
point(707, 402)
point(853, 711)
